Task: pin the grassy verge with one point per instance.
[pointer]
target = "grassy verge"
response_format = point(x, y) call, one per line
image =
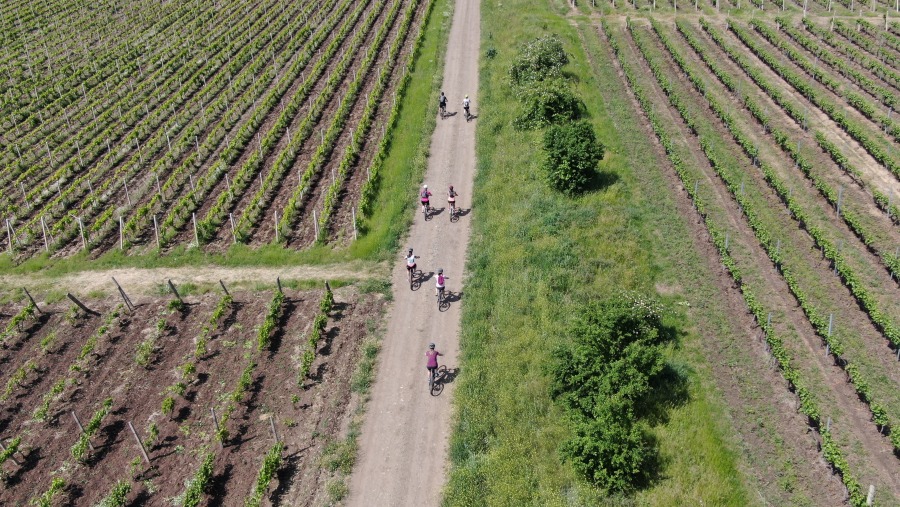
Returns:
point(534, 254)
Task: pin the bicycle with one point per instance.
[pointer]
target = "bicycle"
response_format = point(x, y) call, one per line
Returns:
point(454, 213)
point(443, 112)
point(426, 210)
point(435, 383)
point(412, 278)
point(440, 298)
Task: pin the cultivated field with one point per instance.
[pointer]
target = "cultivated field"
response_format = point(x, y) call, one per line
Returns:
point(161, 125)
point(206, 385)
point(781, 131)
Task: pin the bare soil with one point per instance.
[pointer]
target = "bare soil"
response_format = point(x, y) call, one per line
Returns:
point(307, 417)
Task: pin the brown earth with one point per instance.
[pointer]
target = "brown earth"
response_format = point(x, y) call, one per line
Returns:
point(307, 417)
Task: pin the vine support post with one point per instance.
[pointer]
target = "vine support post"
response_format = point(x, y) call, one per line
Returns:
point(276, 226)
point(212, 411)
point(9, 236)
point(125, 297)
point(233, 235)
point(159, 188)
point(44, 230)
point(870, 499)
point(80, 427)
point(83, 238)
point(121, 233)
point(272, 427)
point(830, 324)
point(28, 294)
point(224, 289)
point(840, 200)
point(127, 194)
point(139, 443)
point(353, 217)
point(316, 223)
point(79, 304)
point(174, 290)
point(196, 236)
point(156, 231)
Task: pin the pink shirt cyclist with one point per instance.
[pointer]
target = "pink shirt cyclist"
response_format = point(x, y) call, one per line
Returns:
point(431, 360)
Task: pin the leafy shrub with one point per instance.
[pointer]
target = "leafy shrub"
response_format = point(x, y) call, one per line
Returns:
point(572, 155)
point(547, 102)
point(606, 381)
point(539, 59)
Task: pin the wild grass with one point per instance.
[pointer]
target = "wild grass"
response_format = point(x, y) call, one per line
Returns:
point(534, 256)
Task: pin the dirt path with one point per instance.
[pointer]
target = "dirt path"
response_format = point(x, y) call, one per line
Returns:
point(142, 281)
point(404, 441)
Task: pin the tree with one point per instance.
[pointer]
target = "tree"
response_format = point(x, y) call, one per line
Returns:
point(539, 59)
point(547, 102)
point(572, 155)
point(604, 380)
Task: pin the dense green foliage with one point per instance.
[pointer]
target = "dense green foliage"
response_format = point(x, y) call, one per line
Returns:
point(546, 102)
point(605, 380)
point(539, 59)
point(572, 153)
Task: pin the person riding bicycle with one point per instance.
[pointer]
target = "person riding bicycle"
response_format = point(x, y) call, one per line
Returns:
point(442, 103)
point(439, 287)
point(424, 195)
point(466, 105)
point(451, 199)
point(431, 361)
point(410, 261)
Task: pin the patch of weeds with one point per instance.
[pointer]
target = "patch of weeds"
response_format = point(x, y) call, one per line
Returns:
point(373, 285)
point(362, 378)
point(340, 455)
point(144, 351)
point(337, 490)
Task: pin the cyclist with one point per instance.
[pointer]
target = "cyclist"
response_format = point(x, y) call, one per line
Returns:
point(410, 262)
point(439, 288)
point(431, 361)
point(466, 105)
point(451, 200)
point(424, 195)
point(442, 103)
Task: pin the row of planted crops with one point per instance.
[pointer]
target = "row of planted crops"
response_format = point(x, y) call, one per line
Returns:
point(160, 126)
point(783, 134)
point(207, 399)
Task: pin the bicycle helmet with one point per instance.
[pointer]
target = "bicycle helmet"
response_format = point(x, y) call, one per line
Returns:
point(431, 346)
point(424, 186)
point(441, 271)
point(451, 187)
point(410, 251)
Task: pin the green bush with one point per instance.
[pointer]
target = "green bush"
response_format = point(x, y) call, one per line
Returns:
point(606, 381)
point(548, 102)
point(572, 155)
point(539, 59)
